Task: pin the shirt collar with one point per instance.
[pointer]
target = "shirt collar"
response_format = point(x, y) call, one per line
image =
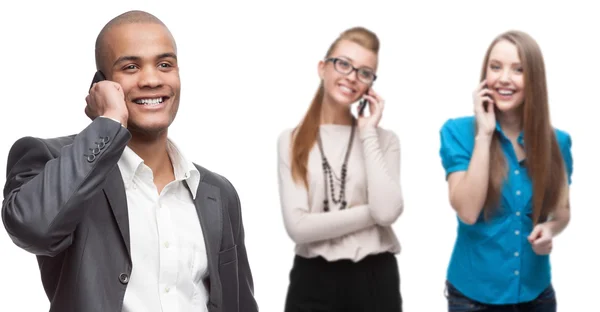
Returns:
point(520, 139)
point(130, 165)
point(183, 168)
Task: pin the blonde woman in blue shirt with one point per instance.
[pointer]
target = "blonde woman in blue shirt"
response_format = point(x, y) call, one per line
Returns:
point(508, 171)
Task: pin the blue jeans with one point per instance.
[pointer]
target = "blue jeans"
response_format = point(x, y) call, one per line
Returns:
point(457, 302)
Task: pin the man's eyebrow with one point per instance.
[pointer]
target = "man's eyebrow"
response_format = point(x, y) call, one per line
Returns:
point(137, 58)
point(167, 55)
point(126, 58)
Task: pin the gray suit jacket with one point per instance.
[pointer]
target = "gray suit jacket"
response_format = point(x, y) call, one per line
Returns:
point(65, 202)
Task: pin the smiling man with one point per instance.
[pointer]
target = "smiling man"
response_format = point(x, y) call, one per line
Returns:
point(118, 218)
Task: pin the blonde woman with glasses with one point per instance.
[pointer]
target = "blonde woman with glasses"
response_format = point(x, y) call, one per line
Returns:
point(339, 185)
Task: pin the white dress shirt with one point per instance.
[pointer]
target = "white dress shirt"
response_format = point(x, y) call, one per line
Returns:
point(167, 243)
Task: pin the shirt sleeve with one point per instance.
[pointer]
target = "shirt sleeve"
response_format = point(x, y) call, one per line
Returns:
point(565, 143)
point(382, 163)
point(453, 151)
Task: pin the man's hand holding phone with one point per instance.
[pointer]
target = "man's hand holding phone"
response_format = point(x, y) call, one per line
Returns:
point(106, 98)
point(484, 110)
point(375, 104)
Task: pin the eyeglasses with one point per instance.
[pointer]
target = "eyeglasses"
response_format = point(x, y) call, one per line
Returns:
point(342, 66)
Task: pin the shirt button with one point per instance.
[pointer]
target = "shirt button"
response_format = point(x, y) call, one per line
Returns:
point(517, 232)
point(518, 193)
point(517, 272)
point(167, 245)
point(516, 254)
point(518, 213)
point(167, 289)
point(123, 278)
point(516, 171)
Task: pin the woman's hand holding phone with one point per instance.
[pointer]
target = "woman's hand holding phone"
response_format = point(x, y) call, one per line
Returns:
point(106, 98)
point(376, 104)
point(484, 110)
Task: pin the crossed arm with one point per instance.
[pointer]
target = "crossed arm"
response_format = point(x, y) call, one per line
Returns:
point(385, 202)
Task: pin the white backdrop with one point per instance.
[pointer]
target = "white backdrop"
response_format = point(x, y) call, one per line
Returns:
point(249, 70)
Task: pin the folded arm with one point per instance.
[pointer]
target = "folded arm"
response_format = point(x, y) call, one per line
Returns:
point(304, 226)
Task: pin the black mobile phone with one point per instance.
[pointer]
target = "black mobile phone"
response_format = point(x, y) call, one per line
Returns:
point(98, 76)
point(361, 106)
point(486, 104)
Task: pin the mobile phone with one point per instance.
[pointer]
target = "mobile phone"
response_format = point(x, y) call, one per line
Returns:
point(486, 104)
point(361, 106)
point(98, 76)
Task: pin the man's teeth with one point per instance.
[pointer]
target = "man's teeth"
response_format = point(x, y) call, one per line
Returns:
point(150, 101)
point(506, 92)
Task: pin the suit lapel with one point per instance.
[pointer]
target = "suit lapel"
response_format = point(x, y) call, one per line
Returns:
point(208, 207)
point(115, 193)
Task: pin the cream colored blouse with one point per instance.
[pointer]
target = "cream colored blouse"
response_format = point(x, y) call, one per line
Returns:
point(373, 194)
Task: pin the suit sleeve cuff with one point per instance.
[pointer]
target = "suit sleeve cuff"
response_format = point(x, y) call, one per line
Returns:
point(113, 120)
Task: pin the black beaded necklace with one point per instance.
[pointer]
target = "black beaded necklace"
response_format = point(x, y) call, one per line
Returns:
point(327, 172)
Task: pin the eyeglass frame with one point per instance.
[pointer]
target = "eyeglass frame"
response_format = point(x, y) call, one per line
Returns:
point(334, 60)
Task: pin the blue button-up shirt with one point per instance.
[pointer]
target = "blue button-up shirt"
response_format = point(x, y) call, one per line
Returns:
point(492, 262)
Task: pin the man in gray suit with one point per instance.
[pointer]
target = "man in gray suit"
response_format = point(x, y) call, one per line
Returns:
point(118, 218)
